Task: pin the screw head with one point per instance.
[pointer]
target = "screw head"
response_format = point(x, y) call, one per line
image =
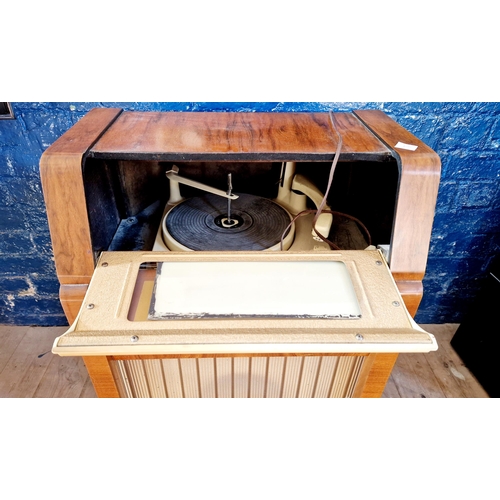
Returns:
point(396, 303)
point(378, 262)
point(359, 336)
point(134, 338)
point(104, 264)
point(90, 306)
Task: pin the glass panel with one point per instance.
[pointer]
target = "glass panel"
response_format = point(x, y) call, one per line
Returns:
point(305, 289)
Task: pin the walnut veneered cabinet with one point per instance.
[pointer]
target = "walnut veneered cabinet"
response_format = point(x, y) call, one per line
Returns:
point(193, 261)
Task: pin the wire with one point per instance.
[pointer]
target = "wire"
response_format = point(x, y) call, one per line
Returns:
point(318, 211)
point(332, 171)
point(333, 246)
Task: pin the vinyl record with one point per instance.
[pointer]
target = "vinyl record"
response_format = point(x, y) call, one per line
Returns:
point(201, 223)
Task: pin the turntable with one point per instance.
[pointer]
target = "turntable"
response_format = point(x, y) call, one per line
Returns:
point(221, 220)
point(240, 254)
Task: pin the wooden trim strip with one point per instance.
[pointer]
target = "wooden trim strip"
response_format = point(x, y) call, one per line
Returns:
point(102, 377)
point(234, 355)
point(380, 371)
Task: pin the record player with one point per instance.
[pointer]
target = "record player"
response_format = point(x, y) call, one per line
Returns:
point(219, 220)
point(240, 254)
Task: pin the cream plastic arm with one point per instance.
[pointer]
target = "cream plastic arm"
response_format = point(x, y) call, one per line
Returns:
point(304, 185)
point(175, 180)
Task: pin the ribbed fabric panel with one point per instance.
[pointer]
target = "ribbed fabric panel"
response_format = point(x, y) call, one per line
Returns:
point(326, 370)
point(206, 369)
point(291, 379)
point(172, 376)
point(309, 377)
point(189, 377)
point(239, 377)
point(275, 377)
point(348, 368)
point(137, 373)
point(224, 368)
point(258, 374)
point(121, 378)
point(154, 374)
point(356, 370)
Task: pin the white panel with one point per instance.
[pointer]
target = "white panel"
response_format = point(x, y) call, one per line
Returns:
point(266, 289)
point(171, 370)
point(241, 374)
point(206, 367)
point(275, 376)
point(189, 375)
point(258, 367)
point(154, 374)
point(309, 375)
point(293, 366)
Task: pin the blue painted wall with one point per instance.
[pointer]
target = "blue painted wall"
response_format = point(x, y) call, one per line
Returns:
point(465, 237)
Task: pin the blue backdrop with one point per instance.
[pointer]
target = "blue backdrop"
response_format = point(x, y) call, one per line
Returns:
point(466, 228)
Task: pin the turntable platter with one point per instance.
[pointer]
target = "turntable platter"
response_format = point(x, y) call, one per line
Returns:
point(200, 223)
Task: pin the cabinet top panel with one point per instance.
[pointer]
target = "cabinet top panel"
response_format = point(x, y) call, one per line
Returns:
point(236, 136)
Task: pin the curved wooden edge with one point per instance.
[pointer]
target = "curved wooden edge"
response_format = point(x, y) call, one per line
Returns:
point(420, 172)
point(63, 190)
point(380, 369)
point(102, 377)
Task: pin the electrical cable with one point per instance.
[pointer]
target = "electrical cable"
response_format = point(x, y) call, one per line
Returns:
point(320, 209)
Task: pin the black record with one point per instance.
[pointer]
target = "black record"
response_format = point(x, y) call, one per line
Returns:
point(201, 223)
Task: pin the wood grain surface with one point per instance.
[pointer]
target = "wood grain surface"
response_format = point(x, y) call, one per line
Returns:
point(71, 297)
point(378, 375)
point(101, 376)
point(420, 172)
point(230, 136)
point(62, 183)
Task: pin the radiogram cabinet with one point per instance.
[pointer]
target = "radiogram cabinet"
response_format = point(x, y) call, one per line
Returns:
point(106, 186)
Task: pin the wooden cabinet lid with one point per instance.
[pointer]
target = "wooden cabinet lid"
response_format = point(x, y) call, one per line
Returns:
point(178, 136)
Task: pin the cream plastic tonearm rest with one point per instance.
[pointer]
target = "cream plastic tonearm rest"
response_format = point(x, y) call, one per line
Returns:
point(304, 185)
point(289, 197)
